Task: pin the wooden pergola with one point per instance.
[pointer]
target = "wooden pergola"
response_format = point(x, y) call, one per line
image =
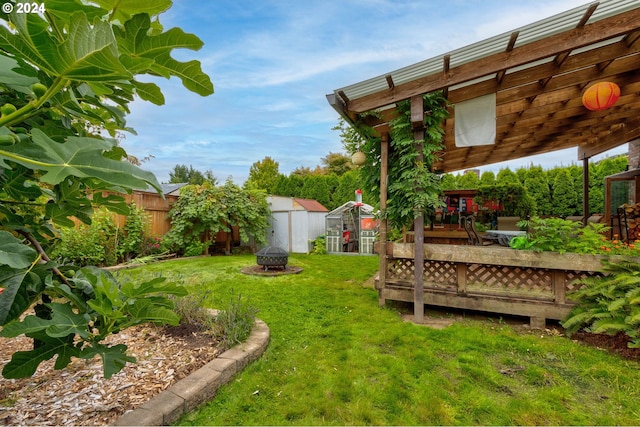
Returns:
point(538, 74)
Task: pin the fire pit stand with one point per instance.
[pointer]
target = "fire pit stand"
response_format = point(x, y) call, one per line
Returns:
point(272, 256)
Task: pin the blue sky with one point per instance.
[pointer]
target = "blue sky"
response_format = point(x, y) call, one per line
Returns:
point(273, 61)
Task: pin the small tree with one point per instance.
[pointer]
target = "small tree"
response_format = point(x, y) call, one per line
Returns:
point(507, 177)
point(487, 178)
point(204, 210)
point(183, 174)
point(564, 194)
point(337, 163)
point(263, 175)
point(448, 182)
point(67, 78)
point(468, 181)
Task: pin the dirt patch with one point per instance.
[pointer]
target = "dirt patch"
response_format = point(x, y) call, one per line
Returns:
point(613, 343)
point(440, 318)
point(258, 270)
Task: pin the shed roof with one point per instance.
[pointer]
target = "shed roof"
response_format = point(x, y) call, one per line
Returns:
point(350, 205)
point(538, 73)
point(166, 188)
point(310, 205)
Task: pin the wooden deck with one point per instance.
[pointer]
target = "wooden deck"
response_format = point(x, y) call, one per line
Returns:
point(492, 279)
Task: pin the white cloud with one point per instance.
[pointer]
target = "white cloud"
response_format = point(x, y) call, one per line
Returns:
point(273, 62)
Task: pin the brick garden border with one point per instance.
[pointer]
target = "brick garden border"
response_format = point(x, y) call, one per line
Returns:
point(200, 386)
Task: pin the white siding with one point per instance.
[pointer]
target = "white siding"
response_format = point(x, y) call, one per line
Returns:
point(299, 232)
point(278, 233)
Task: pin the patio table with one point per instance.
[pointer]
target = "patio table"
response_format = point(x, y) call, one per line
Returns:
point(504, 236)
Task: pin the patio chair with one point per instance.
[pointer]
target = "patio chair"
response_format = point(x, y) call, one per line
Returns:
point(475, 238)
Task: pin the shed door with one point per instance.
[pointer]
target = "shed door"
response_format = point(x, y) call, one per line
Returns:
point(278, 233)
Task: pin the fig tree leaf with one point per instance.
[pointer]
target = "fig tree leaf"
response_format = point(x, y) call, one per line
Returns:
point(24, 364)
point(14, 253)
point(29, 326)
point(77, 156)
point(21, 288)
point(12, 78)
point(146, 311)
point(65, 322)
point(113, 358)
point(87, 53)
point(138, 47)
point(151, 287)
point(123, 10)
point(149, 92)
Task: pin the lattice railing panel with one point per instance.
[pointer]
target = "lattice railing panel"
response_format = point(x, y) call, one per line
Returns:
point(440, 274)
point(572, 276)
point(400, 269)
point(512, 280)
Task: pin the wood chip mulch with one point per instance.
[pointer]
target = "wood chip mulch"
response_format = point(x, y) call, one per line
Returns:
point(79, 395)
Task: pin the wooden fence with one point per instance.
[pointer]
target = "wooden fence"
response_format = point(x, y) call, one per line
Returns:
point(156, 208)
point(157, 211)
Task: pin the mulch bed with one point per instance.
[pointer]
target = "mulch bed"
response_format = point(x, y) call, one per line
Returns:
point(612, 343)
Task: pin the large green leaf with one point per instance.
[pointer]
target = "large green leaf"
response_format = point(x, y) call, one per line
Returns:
point(151, 54)
point(152, 287)
point(11, 78)
point(21, 288)
point(149, 92)
point(23, 364)
point(65, 322)
point(88, 51)
point(113, 358)
point(122, 10)
point(29, 326)
point(144, 310)
point(80, 157)
point(13, 253)
point(62, 10)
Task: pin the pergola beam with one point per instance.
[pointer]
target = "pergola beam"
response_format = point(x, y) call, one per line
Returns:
point(548, 47)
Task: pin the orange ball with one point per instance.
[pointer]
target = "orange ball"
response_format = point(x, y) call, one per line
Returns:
point(601, 96)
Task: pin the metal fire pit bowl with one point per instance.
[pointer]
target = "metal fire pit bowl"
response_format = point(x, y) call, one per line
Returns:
point(272, 256)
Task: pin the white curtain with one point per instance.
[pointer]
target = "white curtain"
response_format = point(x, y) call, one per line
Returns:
point(475, 121)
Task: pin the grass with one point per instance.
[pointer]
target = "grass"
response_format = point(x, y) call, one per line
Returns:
point(336, 358)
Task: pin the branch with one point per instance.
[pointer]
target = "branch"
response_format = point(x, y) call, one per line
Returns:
point(43, 255)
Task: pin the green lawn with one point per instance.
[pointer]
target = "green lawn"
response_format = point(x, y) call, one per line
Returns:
point(335, 358)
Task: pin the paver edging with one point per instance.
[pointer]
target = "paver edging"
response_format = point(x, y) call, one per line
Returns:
point(201, 385)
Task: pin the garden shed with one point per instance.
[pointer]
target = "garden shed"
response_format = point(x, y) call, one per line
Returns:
point(351, 228)
point(294, 223)
point(514, 95)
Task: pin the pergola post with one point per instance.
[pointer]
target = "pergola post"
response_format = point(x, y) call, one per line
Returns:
point(417, 123)
point(382, 229)
point(585, 190)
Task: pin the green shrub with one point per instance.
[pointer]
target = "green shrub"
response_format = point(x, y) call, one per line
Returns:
point(236, 321)
point(609, 304)
point(560, 235)
point(192, 311)
point(93, 244)
point(135, 228)
point(319, 247)
point(196, 248)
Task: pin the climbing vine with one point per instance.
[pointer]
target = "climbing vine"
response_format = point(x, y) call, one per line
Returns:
point(412, 185)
